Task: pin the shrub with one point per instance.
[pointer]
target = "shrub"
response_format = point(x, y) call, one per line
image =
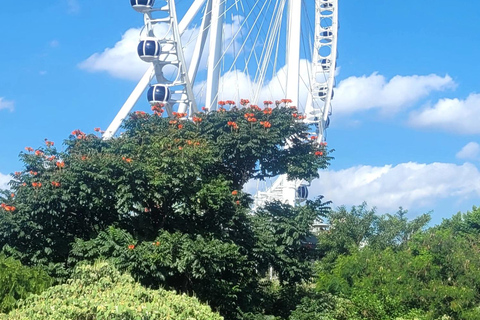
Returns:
point(99, 291)
point(18, 281)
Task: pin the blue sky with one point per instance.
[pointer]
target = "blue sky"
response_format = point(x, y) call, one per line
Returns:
point(405, 110)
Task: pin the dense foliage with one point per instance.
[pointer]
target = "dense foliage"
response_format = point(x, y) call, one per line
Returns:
point(18, 282)
point(428, 275)
point(164, 201)
point(101, 292)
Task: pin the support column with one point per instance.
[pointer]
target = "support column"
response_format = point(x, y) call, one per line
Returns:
point(293, 49)
point(216, 42)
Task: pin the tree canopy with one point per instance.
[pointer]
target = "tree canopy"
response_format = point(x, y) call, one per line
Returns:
point(164, 201)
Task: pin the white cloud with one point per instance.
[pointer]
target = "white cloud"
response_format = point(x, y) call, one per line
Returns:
point(389, 187)
point(454, 115)
point(375, 92)
point(4, 179)
point(121, 61)
point(471, 151)
point(5, 104)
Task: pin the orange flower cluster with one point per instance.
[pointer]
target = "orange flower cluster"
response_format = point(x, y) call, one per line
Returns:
point(39, 153)
point(234, 192)
point(265, 124)
point(156, 243)
point(244, 102)
point(131, 246)
point(179, 115)
point(318, 153)
point(29, 149)
point(18, 173)
point(173, 122)
point(298, 117)
point(267, 102)
point(204, 109)
point(255, 107)
point(250, 117)
point(268, 111)
point(49, 143)
point(60, 164)
point(313, 138)
point(84, 158)
point(197, 119)
point(7, 208)
point(33, 173)
point(157, 109)
point(323, 144)
point(79, 134)
point(127, 160)
point(51, 158)
point(221, 103)
point(222, 109)
point(233, 124)
point(36, 184)
point(287, 101)
point(180, 126)
point(230, 102)
point(56, 184)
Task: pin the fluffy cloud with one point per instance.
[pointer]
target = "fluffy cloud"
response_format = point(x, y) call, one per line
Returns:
point(5, 104)
point(471, 151)
point(4, 179)
point(121, 61)
point(375, 92)
point(389, 187)
point(454, 115)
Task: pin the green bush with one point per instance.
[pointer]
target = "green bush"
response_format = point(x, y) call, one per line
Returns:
point(99, 291)
point(324, 306)
point(18, 281)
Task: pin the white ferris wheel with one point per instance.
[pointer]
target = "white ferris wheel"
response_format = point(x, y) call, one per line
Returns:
point(239, 49)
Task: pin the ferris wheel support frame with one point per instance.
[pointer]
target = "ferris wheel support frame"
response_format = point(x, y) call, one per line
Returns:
point(148, 76)
point(214, 58)
point(322, 78)
point(293, 50)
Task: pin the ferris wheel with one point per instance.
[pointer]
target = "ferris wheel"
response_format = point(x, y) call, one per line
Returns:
point(234, 49)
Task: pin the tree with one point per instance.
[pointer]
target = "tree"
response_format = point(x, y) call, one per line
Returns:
point(168, 181)
point(434, 274)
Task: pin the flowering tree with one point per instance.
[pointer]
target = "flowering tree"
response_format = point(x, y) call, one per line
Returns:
point(166, 185)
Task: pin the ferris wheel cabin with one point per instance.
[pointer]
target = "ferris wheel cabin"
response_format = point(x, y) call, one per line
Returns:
point(158, 93)
point(149, 49)
point(142, 5)
point(302, 193)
